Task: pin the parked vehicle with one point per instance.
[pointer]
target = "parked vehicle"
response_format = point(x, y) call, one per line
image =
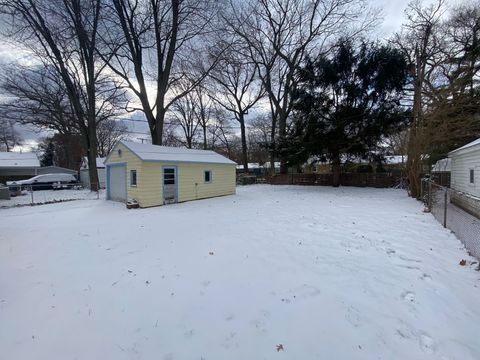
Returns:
point(44, 182)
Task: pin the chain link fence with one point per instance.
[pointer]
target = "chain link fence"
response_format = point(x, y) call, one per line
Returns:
point(30, 195)
point(456, 211)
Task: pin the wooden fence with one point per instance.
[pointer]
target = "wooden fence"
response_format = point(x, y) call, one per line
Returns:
point(377, 180)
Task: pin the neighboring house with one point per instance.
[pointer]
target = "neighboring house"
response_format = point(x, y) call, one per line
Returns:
point(358, 164)
point(85, 176)
point(442, 165)
point(441, 172)
point(465, 176)
point(257, 169)
point(156, 175)
point(15, 165)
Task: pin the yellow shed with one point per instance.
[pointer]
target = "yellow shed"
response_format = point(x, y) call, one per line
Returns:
point(156, 175)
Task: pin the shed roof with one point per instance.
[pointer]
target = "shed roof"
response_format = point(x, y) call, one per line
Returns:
point(149, 152)
point(467, 146)
point(18, 160)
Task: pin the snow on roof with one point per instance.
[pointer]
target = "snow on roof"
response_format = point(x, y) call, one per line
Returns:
point(395, 159)
point(149, 152)
point(442, 165)
point(469, 145)
point(250, 166)
point(15, 159)
point(100, 163)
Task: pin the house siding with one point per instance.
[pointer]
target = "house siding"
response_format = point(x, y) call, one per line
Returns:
point(190, 179)
point(460, 172)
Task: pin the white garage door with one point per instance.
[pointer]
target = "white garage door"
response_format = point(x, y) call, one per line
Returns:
point(117, 183)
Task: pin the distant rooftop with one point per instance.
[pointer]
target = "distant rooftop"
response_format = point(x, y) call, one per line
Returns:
point(16, 159)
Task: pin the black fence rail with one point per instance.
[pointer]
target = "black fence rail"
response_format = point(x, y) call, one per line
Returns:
point(446, 205)
point(377, 180)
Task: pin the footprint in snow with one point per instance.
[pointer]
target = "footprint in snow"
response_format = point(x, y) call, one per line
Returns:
point(425, 277)
point(390, 252)
point(408, 296)
point(404, 258)
point(353, 316)
point(426, 343)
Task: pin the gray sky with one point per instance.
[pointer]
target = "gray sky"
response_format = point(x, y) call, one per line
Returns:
point(392, 11)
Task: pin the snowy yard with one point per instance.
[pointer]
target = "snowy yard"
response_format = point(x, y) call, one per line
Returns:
point(49, 196)
point(271, 273)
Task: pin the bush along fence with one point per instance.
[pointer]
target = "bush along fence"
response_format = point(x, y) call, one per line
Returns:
point(456, 211)
point(377, 180)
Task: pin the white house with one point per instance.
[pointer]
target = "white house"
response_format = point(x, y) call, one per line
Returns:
point(465, 168)
point(15, 165)
point(85, 177)
point(465, 177)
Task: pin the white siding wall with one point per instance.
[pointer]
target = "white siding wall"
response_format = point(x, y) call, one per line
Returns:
point(461, 165)
point(85, 177)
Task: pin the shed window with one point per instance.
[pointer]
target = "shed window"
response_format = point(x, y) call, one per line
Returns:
point(207, 175)
point(472, 176)
point(133, 177)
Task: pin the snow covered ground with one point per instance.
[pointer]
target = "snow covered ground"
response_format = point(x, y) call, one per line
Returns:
point(49, 196)
point(271, 273)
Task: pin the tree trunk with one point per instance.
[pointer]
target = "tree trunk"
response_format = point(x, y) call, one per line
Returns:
point(336, 169)
point(156, 130)
point(92, 160)
point(414, 161)
point(282, 132)
point(205, 137)
point(243, 135)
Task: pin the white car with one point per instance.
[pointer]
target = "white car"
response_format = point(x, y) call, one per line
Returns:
point(44, 182)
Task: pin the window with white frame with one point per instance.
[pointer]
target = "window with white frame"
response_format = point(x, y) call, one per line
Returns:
point(133, 177)
point(472, 176)
point(207, 176)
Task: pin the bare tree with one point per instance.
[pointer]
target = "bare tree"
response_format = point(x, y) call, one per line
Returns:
point(9, 137)
point(259, 138)
point(63, 34)
point(206, 111)
point(184, 116)
point(37, 96)
point(108, 133)
point(151, 43)
point(420, 46)
point(279, 34)
point(236, 89)
point(221, 134)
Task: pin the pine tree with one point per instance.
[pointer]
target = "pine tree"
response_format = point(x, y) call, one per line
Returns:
point(346, 103)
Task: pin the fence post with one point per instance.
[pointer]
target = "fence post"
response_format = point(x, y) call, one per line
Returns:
point(445, 209)
point(422, 184)
point(430, 196)
point(31, 193)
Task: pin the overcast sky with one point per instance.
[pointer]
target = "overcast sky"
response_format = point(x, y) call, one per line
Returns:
point(393, 16)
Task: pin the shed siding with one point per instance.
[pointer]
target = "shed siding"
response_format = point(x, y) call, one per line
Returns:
point(191, 184)
point(188, 174)
point(150, 185)
point(133, 163)
point(460, 173)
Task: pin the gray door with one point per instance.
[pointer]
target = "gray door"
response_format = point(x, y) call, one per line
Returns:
point(117, 183)
point(169, 185)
